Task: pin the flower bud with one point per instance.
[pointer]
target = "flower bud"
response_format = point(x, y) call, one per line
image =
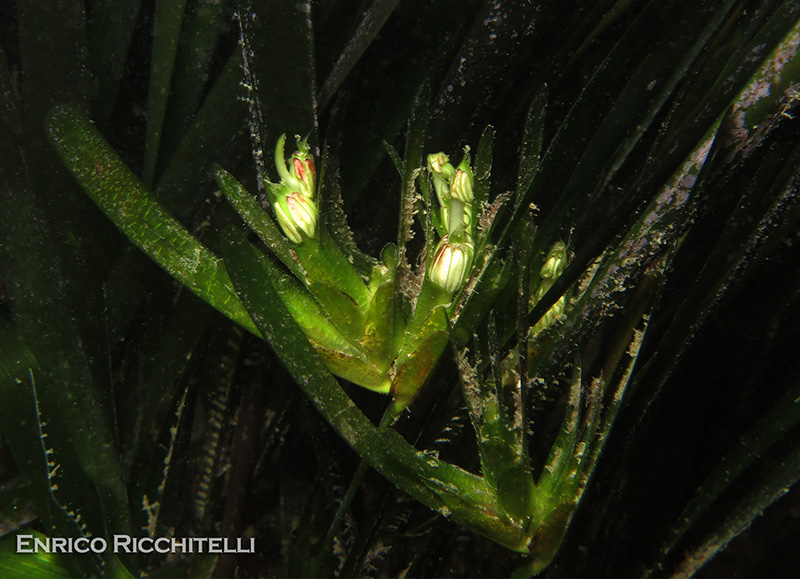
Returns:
point(438, 163)
point(297, 216)
point(553, 267)
point(451, 264)
point(461, 186)
point(301, 176)
point(551, 270)
point(463, 180)
point(303, 170)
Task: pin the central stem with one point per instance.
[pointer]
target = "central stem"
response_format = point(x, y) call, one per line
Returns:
point(456, 214)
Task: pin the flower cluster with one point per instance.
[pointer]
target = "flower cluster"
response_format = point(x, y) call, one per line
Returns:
point(363, 330)
point(297, 214)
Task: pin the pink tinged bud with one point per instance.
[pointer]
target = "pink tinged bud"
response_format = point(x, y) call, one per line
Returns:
point(451, 264)
point(305, 174)
point(297, 216)
point(300, 175)
point(299, 169)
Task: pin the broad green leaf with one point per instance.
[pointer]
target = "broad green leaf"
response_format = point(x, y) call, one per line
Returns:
point(349, 359)
point(381, 336)
point(211, 137)
point(117, 191)
point(334, 282)
point(417, 362)
point(23, 565)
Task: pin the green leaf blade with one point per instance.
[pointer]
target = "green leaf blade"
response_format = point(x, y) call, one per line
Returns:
point(121, 196)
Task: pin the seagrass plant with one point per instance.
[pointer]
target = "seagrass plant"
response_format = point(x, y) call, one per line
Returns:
point(534, 265)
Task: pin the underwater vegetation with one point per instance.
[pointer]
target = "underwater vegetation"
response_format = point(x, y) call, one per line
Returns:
point(451, 288)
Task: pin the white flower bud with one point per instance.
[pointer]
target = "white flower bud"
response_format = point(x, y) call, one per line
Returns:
point(451, 264)
point(297, 216)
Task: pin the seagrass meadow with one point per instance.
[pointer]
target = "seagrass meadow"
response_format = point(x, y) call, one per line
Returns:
point(381, 288)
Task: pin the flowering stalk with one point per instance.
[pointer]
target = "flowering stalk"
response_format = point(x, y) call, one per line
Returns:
point(447, 271)
point(452, 259)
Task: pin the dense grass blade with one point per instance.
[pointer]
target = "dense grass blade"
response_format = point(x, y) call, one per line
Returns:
point(63, 391)
point(530, 154)
point(168, 347)
point(775, 481)
point(770, 430)
point(473, 82)
point(166, 34)
point(412, 163)
point(200, 29)
point(214, 136)
point(374, 18)
point(385, 107)
point(110, 30)
point(21, 421)
point(56, 63)
point(331, 203)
